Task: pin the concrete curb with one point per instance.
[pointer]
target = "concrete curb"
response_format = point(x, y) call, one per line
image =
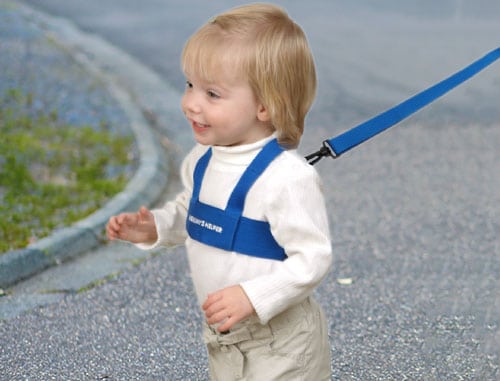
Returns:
point(111, 66)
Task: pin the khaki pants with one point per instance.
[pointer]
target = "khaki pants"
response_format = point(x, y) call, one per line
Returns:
point(292, 346)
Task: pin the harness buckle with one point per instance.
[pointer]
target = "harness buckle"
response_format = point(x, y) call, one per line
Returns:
point(326, 150)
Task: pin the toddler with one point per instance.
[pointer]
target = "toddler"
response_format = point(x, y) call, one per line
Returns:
point(252, 212)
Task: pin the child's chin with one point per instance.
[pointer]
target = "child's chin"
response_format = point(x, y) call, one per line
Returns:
point(203, 139)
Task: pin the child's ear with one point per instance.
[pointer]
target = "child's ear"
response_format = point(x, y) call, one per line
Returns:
point(263, 114)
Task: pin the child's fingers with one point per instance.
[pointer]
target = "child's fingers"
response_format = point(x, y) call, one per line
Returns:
point(217, 311)
point(225, 318)
point(112, 228)
point(228, 324)
point(113, 224)
point(227, 307)
point(218, 317)
point(211, 299)
point(145, 215)
point(122, 218)
point(129, 219)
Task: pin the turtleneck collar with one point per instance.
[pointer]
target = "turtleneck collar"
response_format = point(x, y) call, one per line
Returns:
point(241, 154)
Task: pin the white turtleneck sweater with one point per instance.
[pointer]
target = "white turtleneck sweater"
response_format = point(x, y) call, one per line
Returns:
point(288, 195)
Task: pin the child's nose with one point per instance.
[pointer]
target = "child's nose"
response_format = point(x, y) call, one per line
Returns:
point(190, 103)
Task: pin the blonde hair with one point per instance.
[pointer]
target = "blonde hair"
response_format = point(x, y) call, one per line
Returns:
point(262, 43)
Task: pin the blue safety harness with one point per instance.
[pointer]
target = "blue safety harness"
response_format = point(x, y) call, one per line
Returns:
point(228, 229)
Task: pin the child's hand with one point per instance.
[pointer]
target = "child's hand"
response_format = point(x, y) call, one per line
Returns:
point(133, 227)
point(227, 306)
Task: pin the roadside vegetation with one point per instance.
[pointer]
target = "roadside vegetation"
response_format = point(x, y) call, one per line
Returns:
point(53, 174)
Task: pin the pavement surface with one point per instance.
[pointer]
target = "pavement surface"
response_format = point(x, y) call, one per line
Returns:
point(413, 293)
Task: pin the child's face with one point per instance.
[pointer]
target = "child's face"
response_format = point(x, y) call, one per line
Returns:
point(224, 112)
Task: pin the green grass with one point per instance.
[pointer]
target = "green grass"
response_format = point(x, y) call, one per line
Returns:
point(52, 174)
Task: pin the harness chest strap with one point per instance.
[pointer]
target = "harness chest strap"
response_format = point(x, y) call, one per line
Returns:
point(228, 229)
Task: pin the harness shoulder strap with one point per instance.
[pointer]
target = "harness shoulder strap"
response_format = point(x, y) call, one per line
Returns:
point(237, 199)
point(198, 173)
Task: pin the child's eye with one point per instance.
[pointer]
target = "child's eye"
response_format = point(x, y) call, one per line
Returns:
point(189, 85)
point(212, 94)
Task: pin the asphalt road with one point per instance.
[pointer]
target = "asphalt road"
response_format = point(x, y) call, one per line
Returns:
point(415, 213)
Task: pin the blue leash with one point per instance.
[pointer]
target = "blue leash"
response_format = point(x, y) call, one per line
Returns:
point(336, 146)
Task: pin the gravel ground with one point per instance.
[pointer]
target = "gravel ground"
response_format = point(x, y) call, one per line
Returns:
point(142, 326)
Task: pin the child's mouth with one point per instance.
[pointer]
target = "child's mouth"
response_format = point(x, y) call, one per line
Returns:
point(200, 126)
